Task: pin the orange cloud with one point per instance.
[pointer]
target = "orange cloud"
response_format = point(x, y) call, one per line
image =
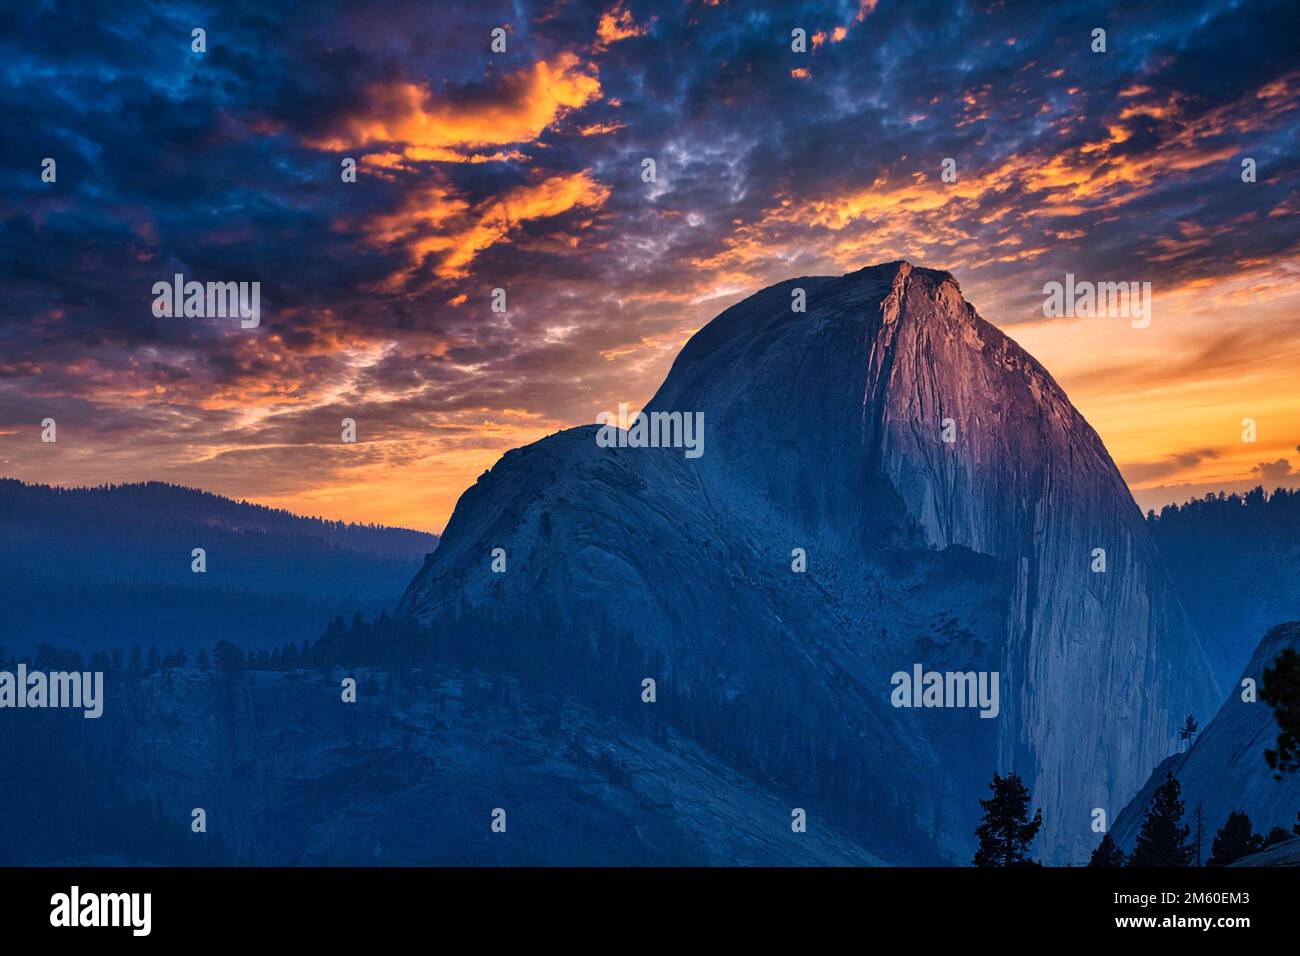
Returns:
point(435, 222)
point(616, 24)
point(411, 118)
point(600, 129)
point(916, 216)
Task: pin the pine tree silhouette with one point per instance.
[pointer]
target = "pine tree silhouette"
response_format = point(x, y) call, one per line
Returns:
point(1007, 831)
point(1234, 840)
point(1275, 836)
point(228, 658)
point(1107, 853)
point(1163, 838)
point(1280, 689)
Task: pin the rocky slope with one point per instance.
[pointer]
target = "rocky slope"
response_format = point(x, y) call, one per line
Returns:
point(1224, 770)
point(1281, 854)
point(824, 431)
point(406, 775)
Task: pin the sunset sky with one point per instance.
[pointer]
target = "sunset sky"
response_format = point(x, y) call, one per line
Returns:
point(522, 170)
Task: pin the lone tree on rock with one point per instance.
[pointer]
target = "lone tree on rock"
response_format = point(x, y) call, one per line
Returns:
point(1007, 831)
point(1162, 840)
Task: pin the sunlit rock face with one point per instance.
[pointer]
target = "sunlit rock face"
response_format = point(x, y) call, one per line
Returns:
point(950, 502)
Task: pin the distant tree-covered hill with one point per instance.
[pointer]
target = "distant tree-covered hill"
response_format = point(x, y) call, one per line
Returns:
point(92, 567)
point(1236, 562)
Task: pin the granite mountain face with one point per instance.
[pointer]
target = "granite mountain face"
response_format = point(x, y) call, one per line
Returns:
point(826, 431)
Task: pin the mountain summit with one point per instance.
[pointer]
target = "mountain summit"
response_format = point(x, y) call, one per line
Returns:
point(954, 513)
